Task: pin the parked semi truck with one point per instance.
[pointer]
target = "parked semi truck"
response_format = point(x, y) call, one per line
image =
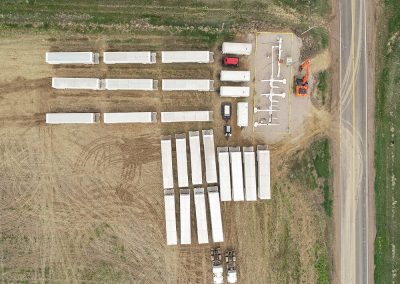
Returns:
point(230, 259)
point(217, 269)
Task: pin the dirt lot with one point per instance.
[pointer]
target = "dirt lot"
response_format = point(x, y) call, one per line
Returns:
point(85, 203)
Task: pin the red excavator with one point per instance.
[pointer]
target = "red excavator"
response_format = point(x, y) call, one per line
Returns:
point(302, 83)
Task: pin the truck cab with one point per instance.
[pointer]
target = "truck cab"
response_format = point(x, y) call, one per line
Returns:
point(217, 268)
point(230, 259)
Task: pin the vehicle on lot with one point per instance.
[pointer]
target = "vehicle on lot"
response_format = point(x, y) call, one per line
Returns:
point(217, 269)
point(228, 131)
point(232, 61)
point(230, 259)
point(226, 110)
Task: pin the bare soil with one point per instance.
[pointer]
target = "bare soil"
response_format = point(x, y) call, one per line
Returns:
point(85, 203)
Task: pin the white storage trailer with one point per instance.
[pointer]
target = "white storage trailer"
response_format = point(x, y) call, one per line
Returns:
point(72, 118)
point(215, 214)
point(235, 76)
point(76, 83)
point(184, 204)
point(187, 116)
point(129, 117)
point(195, 157)
point(249, 160)
point(236, 173)
point(224, 174)
point(201, 217)
point(181, 160)
point(201, 85)
point(72, 58)
point(130, 57)
point(236, 48)
point(166, 162)
point(187, 57)
point(131, 84)
point(234, 91)
point(242, 114)
point(264, 182)
point(209, 156)
point(170, 218)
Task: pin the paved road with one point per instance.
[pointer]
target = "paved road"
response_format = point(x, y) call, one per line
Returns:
point(353, 143)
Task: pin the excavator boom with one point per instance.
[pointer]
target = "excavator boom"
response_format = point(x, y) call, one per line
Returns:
point(306, 66)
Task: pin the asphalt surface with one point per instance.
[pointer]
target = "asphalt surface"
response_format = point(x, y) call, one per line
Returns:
point(353, 143)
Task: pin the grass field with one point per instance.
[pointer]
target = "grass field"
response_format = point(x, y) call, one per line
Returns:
point(387, 149)
point(209, 21)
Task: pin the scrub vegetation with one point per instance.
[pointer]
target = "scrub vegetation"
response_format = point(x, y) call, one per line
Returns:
point(387, 147)
point(312, 169)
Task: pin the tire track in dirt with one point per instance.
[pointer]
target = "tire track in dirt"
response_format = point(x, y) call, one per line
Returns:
point(19, 184)
point(108, 152)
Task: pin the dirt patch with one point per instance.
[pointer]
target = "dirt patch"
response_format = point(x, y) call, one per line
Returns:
point(85, 203)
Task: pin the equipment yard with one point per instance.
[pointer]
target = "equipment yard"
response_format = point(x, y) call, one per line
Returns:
point(85, 202)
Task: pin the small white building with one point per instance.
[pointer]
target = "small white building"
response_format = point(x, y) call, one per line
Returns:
point(170, 218)
point(72, 58)
point(181, 160)
point(242, 114)
point(131, 84)
point(72, 118)
point(224, 174)
point(187, 116)
point(236, 48)
point(201, 85)
point(76, 83)
point(166, 162)
point(187, 57)
point(201, 217)
point(215, 214)
point(264, 179)
point(249, 160)
point(129, 117)
point(195, 157)
point(130, 57)
point(184, 205)
point(234, 91)
point(235, 76)
point(236, 173)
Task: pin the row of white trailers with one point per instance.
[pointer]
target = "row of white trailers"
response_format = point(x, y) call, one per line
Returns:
point(195, 159)
point(146, 57)
point(201, 215)
point(237, 171)
point(201, 85)
point(238, 175)
point(128, 117)
point(183, 183)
